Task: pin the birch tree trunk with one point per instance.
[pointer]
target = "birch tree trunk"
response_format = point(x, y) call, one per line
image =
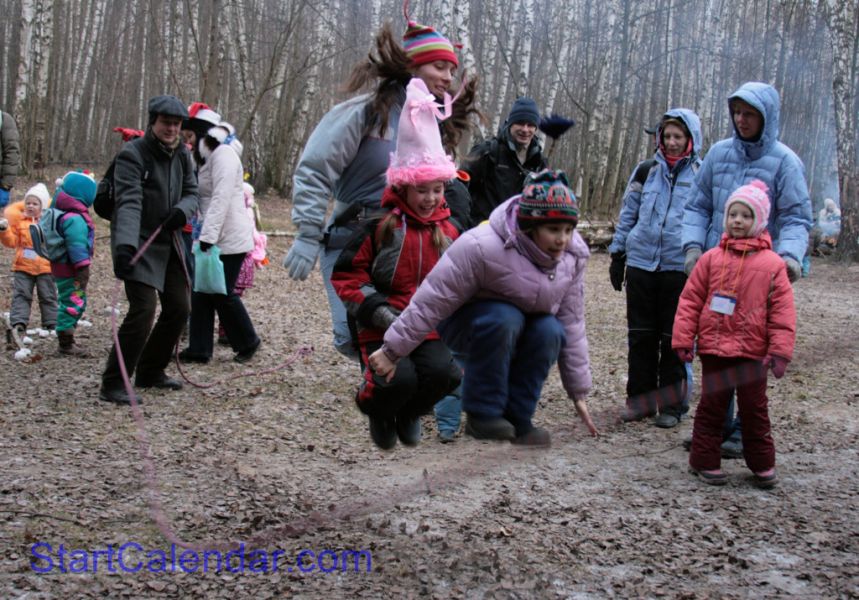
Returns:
point(25, 55)
point(526, 32)
point(462, 19)
point(844, 30)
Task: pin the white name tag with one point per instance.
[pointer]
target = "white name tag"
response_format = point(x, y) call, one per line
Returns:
point(30, 253)
point(723, 304)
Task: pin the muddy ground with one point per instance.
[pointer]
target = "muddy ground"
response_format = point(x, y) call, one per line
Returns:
point(283, 461)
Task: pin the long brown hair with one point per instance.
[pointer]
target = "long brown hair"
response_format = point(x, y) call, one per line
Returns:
point(388, 65)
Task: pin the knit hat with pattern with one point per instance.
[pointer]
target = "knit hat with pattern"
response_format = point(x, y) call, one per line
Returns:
point(547, 198)
point(423, 44)
point(754, 196)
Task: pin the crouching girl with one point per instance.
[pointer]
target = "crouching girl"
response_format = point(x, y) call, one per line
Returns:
point(509, 295)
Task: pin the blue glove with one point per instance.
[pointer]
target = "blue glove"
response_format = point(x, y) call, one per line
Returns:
point(4, 197)
point(302, 256)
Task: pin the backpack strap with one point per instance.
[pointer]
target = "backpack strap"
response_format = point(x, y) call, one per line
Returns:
point(643, 170)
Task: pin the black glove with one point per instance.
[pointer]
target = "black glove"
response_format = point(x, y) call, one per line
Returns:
point(122, 266)
point(204, 246)
point(617, 270)
point(384, 316)
point(175, 219)
point(82, 277)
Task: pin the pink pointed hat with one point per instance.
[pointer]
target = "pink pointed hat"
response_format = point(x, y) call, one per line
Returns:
point(420, 156)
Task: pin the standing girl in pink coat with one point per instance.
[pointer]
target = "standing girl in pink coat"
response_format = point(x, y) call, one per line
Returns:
point(738, 303)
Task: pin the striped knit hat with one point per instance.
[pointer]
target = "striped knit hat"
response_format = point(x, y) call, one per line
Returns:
point(547, 198)
point(423, 44)
point(754, 196)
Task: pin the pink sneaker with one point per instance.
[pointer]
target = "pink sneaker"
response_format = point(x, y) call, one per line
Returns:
point(766, 480)
point(711, 476)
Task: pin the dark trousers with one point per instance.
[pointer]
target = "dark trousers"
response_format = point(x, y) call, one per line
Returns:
point(657, 377)
point(146, 348)
point(231, 313)
point(508, 355)
point(422, 378)
point(22, 298)
point(721, 376)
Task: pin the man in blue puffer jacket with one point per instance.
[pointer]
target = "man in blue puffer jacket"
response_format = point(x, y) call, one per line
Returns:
point(753, 152)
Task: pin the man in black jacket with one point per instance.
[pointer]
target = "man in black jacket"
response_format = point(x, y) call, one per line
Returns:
point(498, 166)
point(154, 184)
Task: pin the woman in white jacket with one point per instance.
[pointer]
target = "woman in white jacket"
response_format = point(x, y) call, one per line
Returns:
point(226, 225)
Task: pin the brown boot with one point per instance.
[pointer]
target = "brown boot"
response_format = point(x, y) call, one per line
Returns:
point(68, 347)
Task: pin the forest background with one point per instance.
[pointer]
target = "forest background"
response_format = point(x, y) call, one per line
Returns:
point(71, 70)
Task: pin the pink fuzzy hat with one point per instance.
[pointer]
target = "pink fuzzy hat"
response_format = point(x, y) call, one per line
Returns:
point(754, 195)
point(420, 157)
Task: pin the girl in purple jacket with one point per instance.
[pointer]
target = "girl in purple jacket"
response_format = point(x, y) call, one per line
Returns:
point(509, 295)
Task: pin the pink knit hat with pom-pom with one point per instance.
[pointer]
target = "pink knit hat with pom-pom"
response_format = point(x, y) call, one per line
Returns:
point(420, 156)
point(753, 195)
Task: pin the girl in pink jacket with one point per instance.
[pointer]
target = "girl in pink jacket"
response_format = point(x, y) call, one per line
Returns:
point(738, 304)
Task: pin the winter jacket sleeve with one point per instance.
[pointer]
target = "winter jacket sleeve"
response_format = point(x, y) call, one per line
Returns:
point(190, 200)
point(699, 212)
point(76, 234)
point(11, 159)
point(459, 200)
point(781, 316)
point(128, 190)
point(792, 209)
point(457, 278)
point(10, 236)
point(224, 184)
point(476, 165)
point(692, 301)
point(628, 214)
point(352, 281)
point(574, 362)
point(329, 150)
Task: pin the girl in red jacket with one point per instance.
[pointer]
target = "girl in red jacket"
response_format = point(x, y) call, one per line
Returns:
point(378, 273)
point(738, 304)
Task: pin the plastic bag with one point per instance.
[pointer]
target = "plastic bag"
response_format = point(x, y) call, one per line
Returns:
point(209, 271)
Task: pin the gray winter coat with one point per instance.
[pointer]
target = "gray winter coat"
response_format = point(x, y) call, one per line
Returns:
point(10, 160)
point(144, 199)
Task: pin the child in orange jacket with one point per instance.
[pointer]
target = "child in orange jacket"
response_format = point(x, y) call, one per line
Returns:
point(738, 304)
point(29, 270)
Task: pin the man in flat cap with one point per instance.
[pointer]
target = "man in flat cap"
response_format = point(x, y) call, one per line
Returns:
point(154, 185)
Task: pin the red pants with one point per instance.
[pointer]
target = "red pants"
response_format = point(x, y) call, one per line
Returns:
point(721, 376)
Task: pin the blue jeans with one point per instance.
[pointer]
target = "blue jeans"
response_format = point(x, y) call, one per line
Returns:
point(690, 384)
point(342, 337)
point(508, 357)
point(448, 410)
